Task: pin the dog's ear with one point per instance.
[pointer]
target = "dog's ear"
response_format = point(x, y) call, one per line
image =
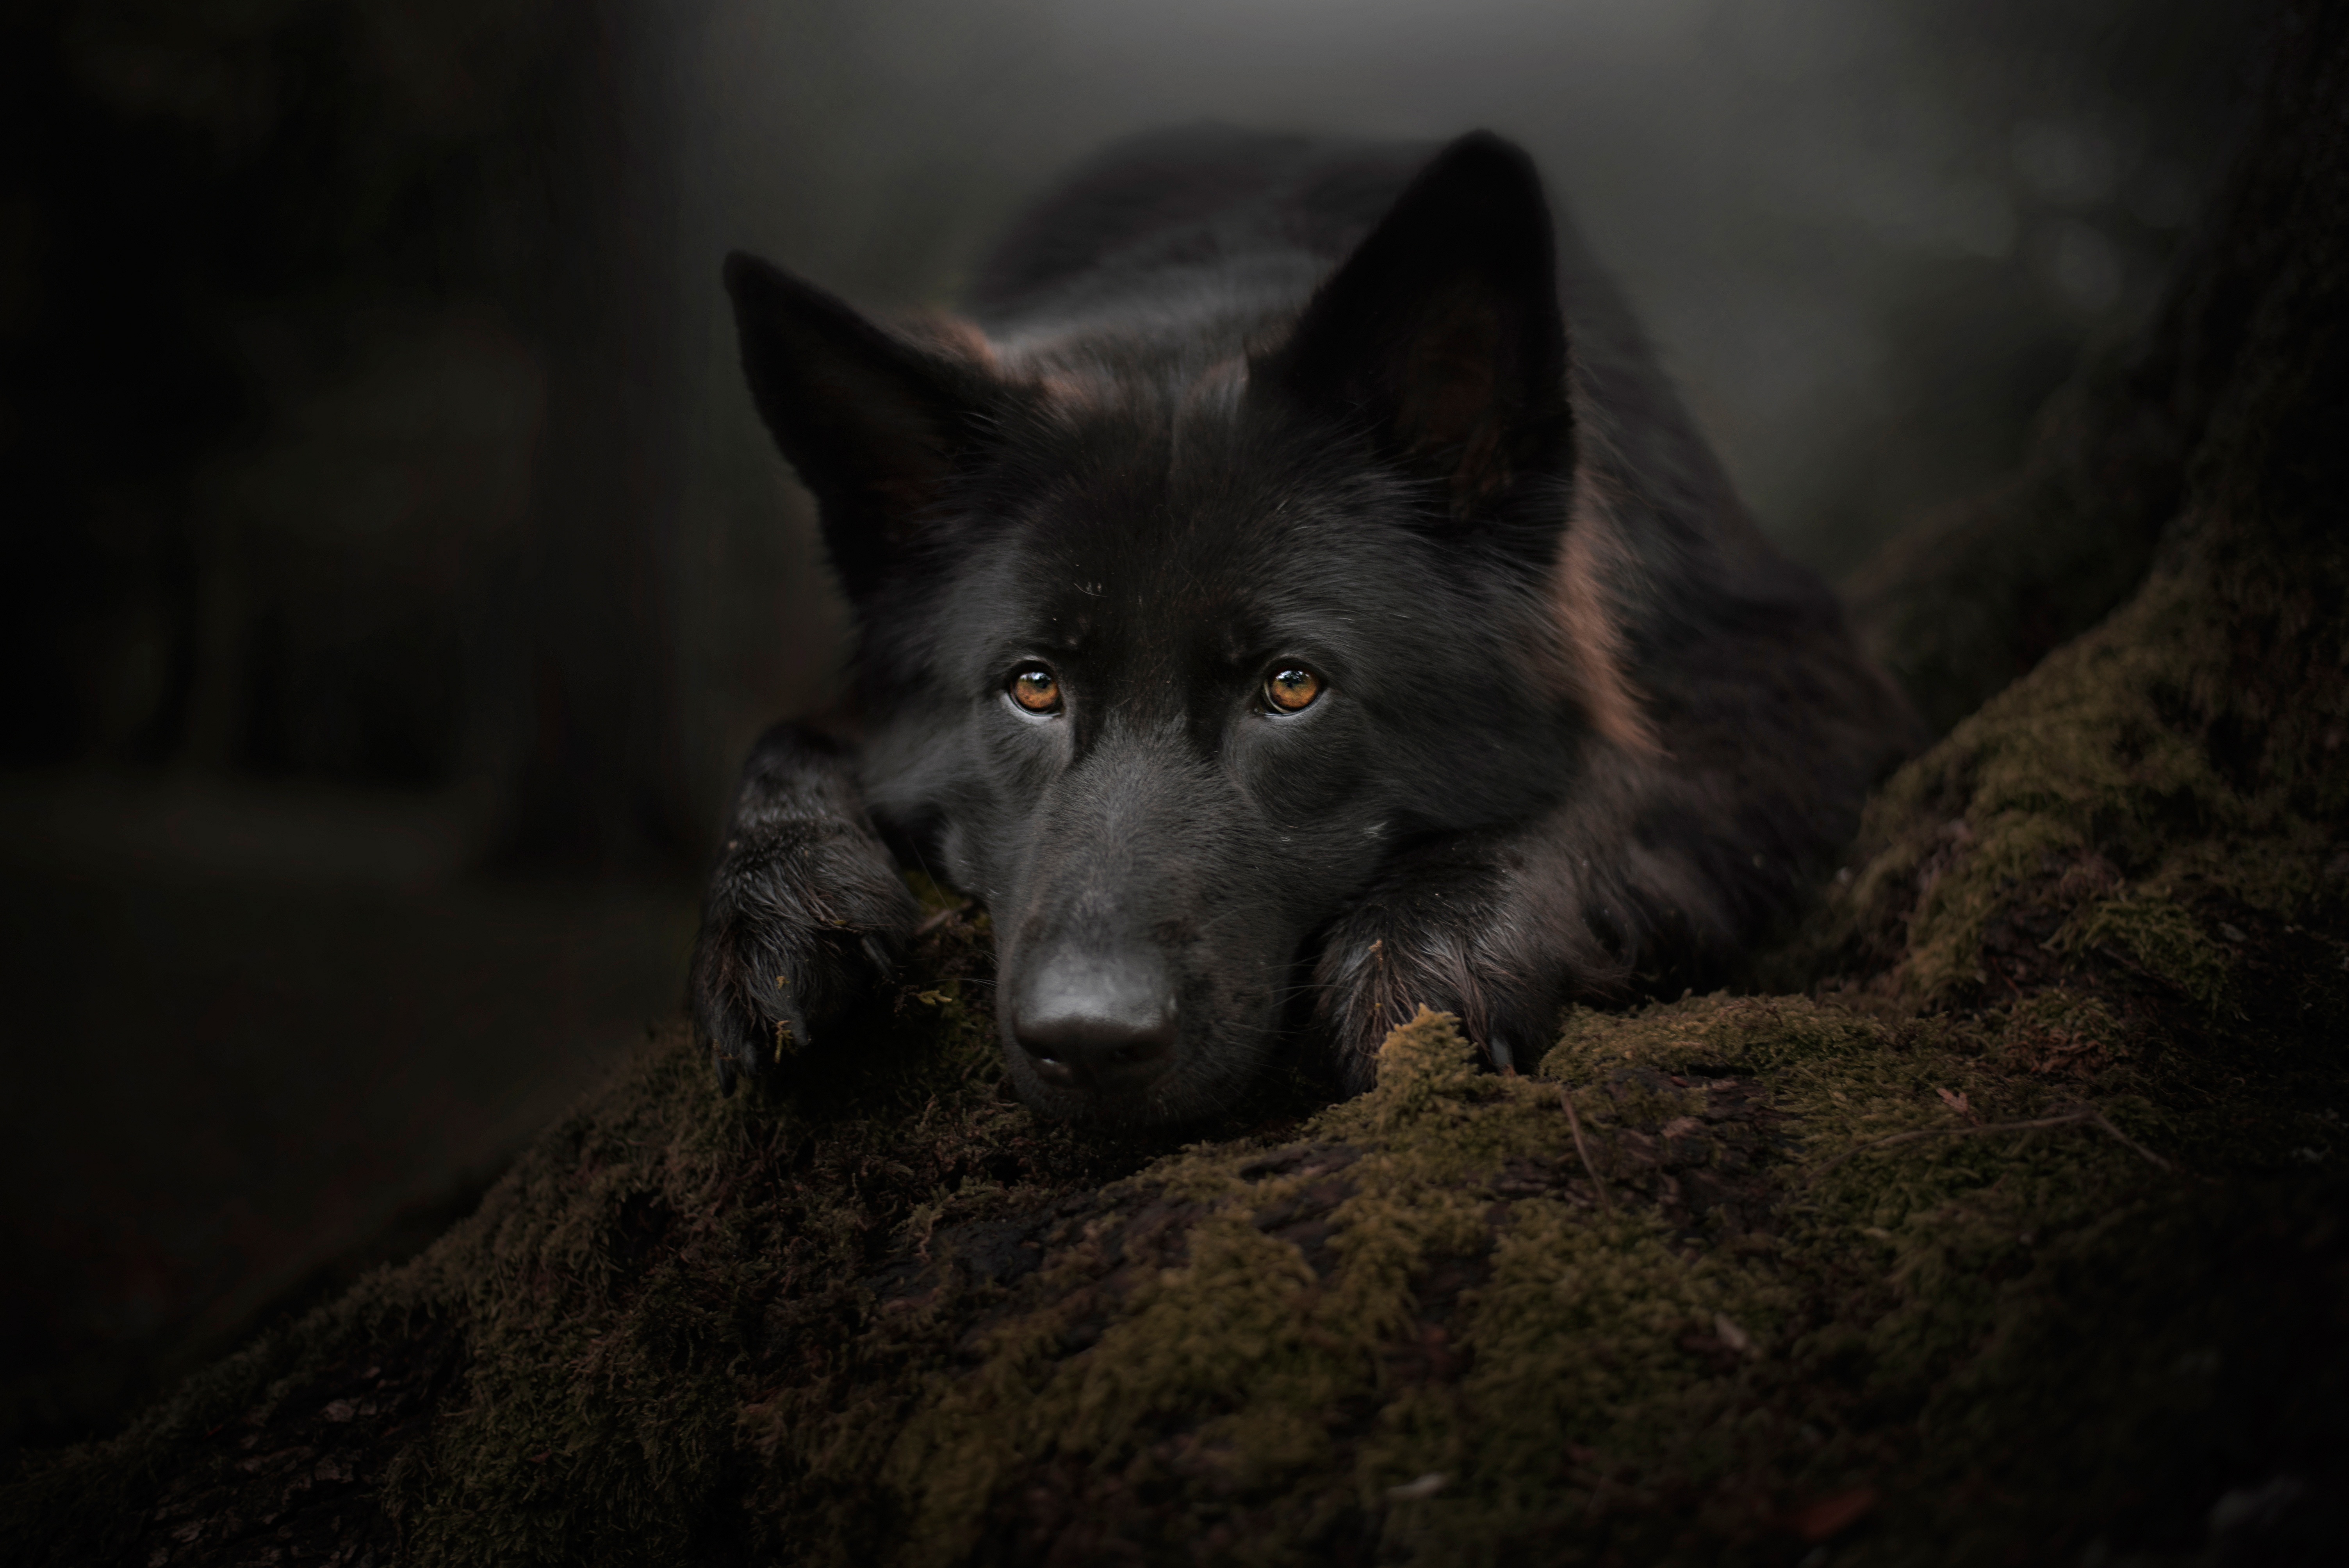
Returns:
point(1442, 331)
point(875, 425)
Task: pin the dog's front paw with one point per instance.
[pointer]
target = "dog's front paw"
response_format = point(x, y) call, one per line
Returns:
point(797, 926)
point(1391, 957)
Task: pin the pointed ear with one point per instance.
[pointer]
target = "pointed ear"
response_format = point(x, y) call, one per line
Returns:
point(1442, 331)
point(875, 425)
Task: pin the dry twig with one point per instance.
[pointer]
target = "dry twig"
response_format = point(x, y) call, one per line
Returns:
point(1565, 1096)
point(938, 917)
point(2156, 1159)
point(2080, 1114)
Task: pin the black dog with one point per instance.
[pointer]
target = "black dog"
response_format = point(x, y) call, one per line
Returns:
point(1271, 620)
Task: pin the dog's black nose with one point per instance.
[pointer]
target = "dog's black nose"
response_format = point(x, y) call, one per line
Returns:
point(1106, 1024)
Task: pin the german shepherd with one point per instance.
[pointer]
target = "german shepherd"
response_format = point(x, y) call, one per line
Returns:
point(1293, 596)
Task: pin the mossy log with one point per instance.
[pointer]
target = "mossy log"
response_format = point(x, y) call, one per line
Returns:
point(2011, 1228)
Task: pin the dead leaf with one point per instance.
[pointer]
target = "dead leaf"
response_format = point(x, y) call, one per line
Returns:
point(1831, 1516)
point(1955, 1102)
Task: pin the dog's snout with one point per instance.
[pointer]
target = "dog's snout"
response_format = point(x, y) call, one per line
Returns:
point(1105, 1025)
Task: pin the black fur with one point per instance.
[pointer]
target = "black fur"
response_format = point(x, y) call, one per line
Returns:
point(1228, 405)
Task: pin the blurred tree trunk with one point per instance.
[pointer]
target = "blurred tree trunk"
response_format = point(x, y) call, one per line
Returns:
point(261, 271)
point(591, 612)
point(1974, 597)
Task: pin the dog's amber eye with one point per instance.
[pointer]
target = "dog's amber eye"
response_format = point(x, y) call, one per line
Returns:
point(1036, 688)
point(1292, 688)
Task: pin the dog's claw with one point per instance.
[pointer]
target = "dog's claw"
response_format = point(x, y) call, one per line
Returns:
point(791, 1034)
point(766, 970)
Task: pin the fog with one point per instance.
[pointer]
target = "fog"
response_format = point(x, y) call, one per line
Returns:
point(1772, 179)
point(1867, 239)
point(420, 456)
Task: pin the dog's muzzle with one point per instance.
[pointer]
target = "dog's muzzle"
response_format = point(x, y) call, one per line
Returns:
point(1102, 1025)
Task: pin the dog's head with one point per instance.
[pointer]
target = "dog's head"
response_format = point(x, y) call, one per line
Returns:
point(1174, 636)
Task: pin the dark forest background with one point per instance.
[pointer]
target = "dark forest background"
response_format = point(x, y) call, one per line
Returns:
point(391, 570)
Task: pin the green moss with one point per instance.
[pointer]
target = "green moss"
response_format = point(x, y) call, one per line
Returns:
point(1582, 1385)
point(2159, 934)
point(681, 1310)
point(2110, 792)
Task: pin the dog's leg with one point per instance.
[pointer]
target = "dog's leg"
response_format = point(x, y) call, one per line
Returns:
point(1433, 931)
point(1505, 928)
point(804, 913)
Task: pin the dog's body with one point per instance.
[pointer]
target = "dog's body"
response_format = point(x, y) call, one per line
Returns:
point(1262, 613)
